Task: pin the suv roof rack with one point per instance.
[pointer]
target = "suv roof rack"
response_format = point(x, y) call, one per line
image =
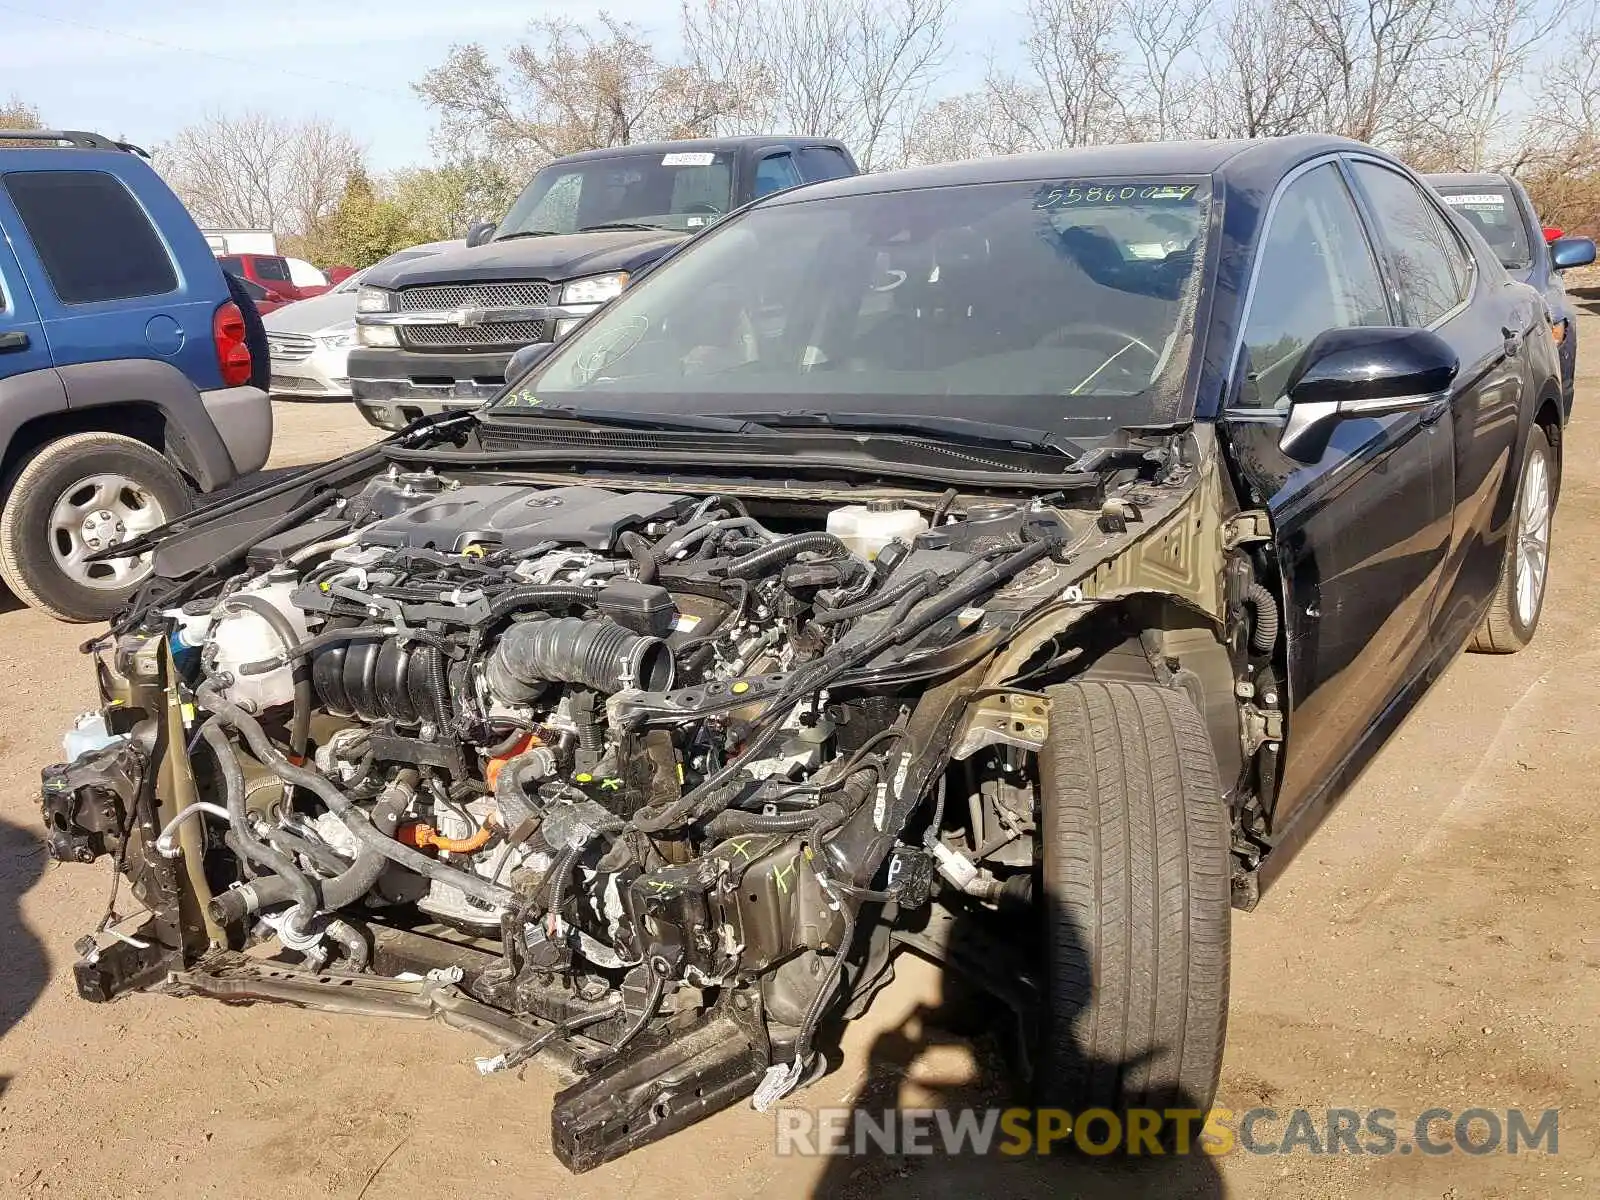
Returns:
point(75, 138)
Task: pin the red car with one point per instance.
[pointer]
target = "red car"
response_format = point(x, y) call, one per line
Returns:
point(269, 271)
point(265, 300)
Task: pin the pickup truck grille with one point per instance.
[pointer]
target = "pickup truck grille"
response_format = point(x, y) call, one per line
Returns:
point(471, 337)
point(449, 296)
point(290, 347)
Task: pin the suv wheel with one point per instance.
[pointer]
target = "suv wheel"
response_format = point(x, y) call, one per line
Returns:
point(1136, 901)
point(79, 495)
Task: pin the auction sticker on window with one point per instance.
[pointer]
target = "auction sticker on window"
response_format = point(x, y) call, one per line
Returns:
point(696, 158)
point(1072, 195)
point(1477, 200)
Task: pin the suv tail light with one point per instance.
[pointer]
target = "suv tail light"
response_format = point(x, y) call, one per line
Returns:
point(233, 353)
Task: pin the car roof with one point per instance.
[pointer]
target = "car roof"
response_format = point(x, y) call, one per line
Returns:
point(1248, 162)
point(703, 145)
point(1467, 179)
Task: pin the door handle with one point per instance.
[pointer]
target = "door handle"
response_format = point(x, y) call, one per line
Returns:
point(13, 340)
point(1513, 341)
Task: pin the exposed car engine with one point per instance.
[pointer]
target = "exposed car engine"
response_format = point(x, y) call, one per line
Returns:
point(657, 752)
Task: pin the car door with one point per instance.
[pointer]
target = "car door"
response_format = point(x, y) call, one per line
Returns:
point(23, 347)
point(1443, 285)
point(1359, 534)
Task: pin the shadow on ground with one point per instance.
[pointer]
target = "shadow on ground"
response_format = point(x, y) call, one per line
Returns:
point(967, 1015)
point(23, 967)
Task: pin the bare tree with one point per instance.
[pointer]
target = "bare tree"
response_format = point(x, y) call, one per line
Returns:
point(1073, 49)
point(260, 171)
point(565, 88)
point(860, 70)
point(1559, 155)
point(1261, 77)
point(1164, 70)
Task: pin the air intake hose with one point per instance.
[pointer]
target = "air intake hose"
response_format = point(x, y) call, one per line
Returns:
point(599, 654)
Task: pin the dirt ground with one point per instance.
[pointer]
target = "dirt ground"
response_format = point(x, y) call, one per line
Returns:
point(1437, 944)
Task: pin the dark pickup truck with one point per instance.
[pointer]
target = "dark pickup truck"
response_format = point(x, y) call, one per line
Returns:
point(437, 333)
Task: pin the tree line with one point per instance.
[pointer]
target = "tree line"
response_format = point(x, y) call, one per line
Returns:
point(1445, 84)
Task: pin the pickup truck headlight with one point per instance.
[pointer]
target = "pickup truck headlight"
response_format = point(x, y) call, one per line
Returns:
point(374, 300)
point(596, 289)
point(339, 338)
point(378, 335)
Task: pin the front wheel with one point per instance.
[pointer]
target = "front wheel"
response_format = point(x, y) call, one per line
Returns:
point(77, 496)
point(1137, 903)
point(1513, 615)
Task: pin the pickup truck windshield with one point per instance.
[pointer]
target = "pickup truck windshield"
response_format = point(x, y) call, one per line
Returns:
point(682, 191)
point(1008, 301)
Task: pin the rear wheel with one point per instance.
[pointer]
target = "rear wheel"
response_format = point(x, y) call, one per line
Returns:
point(77, 496)
point(1513, 615)
point(1137, 901)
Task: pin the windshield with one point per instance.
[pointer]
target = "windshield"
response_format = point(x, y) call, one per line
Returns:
point(1493, 210)
point(1007, 301)
point(681, 191)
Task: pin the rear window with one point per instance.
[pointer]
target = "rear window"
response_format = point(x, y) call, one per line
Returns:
point(1494, 212)
point(232, 264)
point(95, 241)
point(273, 270)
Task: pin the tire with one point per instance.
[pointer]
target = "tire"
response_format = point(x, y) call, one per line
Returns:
point(1513, 615)
point(1138, 902)
point(99, 487)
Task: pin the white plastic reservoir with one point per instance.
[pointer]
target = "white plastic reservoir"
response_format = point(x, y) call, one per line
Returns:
point(868, 528)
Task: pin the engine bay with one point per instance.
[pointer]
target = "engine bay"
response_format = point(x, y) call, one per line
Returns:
point(652, 755)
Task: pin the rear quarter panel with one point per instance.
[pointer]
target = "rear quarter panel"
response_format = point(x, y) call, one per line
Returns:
point(118, 329)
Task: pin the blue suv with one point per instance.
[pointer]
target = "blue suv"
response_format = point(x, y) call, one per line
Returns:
point(128, 378)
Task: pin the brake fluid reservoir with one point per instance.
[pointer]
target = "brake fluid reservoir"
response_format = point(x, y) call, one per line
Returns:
point(868, 528)
point(242, 635)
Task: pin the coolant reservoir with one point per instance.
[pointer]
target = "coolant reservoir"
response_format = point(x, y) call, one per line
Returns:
point(242, 635)
point(868, 528)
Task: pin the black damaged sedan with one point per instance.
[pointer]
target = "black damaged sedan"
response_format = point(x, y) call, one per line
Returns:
point(1007, 562)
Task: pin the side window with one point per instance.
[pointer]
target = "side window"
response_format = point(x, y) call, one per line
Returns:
point(1425, 256)
point(822, 162)
point(232, 264)
point(91, 235)
point(1316, 273)
point(774, 173)
point(273, 270)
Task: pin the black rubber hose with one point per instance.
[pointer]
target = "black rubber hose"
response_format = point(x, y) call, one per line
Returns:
point(345, 888)
point(439, 680)
point(733, 822)
point(555, 595)
point(351, 942)
point(919, 582)
point(783, 551)
point(1267, 623)
point(300, 723)
point(295, 881)
point(356, 820)
point(599, 654)
point(643, 555)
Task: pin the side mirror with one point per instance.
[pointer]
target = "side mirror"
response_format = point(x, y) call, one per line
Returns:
point(1571, 252)
point(1375, 371)
point(480, 232)
point(525, 359)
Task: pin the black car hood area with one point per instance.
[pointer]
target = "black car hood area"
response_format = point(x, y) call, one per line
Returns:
point(553, 256)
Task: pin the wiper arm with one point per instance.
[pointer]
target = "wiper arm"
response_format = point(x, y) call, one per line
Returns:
point(522, 233)
point(620, 225)
point(954, 429)
point(634, 419)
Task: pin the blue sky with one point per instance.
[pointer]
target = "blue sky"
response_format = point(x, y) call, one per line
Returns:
point(142, 69)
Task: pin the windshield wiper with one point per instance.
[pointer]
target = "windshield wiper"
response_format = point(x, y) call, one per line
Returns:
point(522, 233)
point(950, 429)
point(621, 225)
point(633, 419)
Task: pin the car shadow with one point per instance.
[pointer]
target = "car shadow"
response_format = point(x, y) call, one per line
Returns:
point(970, 1015)
point(24, 970)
